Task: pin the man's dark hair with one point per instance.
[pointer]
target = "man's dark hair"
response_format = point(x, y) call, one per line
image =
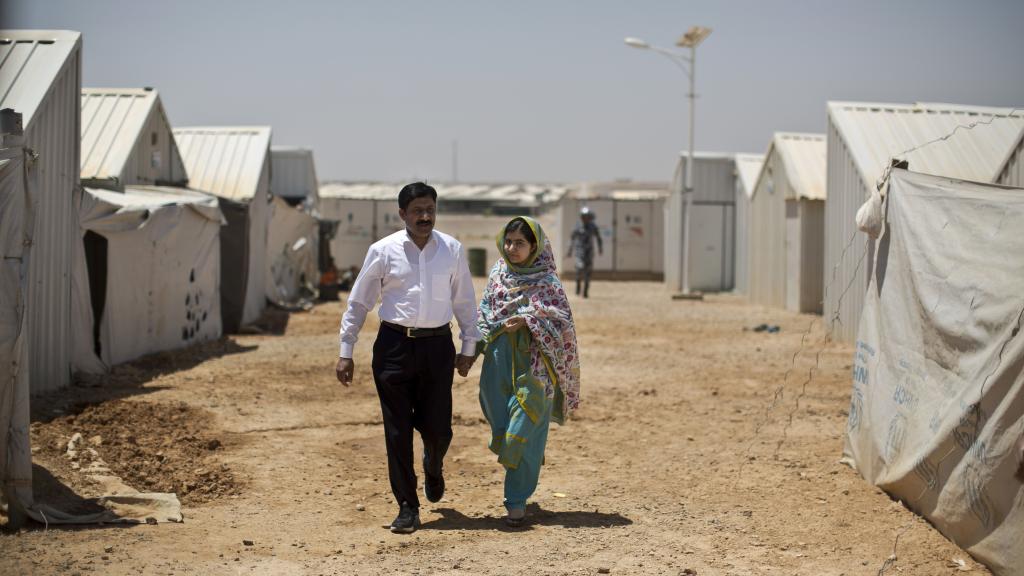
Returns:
point(413, 191)
point(520, 225)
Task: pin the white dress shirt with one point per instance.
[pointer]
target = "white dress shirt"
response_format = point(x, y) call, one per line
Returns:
point(417, 288)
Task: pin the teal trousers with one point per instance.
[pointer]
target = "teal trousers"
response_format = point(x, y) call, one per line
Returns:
point(514, 403)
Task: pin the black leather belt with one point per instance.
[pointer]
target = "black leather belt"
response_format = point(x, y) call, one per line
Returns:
point(445, 330)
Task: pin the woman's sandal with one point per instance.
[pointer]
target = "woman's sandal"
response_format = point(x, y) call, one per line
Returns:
point(515, 518)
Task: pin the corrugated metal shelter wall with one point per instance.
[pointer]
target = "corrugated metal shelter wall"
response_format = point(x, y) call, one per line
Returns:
point(767, 246)
point(794, 253)
point(812, 261)
point(672, 222)
point(845, 276)
point(805, 254)
point(742, 264)
point(658, 235)
point(259, 221)
point(1012, 173)
point(155, 159)
point(53, 132)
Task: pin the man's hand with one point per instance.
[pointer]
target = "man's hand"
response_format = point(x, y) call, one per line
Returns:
point(463, 364)
point(345, 368)
point(515, 323)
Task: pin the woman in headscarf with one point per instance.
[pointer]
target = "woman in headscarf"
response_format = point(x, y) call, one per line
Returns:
point(531, 370)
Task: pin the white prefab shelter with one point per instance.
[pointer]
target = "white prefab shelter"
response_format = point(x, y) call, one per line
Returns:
point(294, 175)
point(787, 217)
point(40, 78)
point(937, 402)
point(630, 217)
point(127, 140)
point(234, 164)
point(147, 274)
point(711, 258)
point(472, 213)
point(965, 142)
point(748, 167)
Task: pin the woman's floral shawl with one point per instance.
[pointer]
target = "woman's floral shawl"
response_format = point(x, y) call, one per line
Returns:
point(532, 290)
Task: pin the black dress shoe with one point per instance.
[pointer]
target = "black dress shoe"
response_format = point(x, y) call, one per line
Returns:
point(408, 520)
point(433, 487)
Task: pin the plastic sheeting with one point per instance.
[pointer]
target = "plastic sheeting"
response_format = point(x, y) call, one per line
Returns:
point(18, 503)
point(16, 221)
point(292, 274)
point(161, 274)
point(937, 404)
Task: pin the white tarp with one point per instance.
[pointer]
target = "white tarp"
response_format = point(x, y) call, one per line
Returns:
point(292, 274)
point(937, 404)
point(162, 277)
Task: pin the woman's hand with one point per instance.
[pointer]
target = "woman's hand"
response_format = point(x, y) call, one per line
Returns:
point(515, 323)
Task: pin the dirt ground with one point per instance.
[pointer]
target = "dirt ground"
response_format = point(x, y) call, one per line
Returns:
point(701, 448)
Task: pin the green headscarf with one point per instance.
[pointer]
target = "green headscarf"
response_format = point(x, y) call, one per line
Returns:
point(531, 265)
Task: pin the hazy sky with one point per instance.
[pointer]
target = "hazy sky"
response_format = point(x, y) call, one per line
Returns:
point(537, 90)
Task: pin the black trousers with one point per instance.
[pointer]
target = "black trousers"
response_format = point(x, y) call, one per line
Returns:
point(583, 274)
point(414, 383)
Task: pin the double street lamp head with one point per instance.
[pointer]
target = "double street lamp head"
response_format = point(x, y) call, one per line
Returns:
point(693, 37)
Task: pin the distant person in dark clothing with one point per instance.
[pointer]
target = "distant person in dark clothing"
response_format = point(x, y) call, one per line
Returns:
point(582, 245)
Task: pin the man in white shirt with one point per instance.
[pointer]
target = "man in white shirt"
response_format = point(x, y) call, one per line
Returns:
point(422, 279)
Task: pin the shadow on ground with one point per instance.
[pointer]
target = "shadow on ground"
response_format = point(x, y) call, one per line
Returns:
point(128, 379)
point(452, 519)
point(49, 489)
point(59, 497)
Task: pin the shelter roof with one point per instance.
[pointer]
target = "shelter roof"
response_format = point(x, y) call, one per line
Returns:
point(224, 160)
point(113, 120)
point(620, 190)
point(748, 166)
point(137, 201)
point(291, 150)
point(699, 155)
point(953, 140)
point(526, 195)
point(804, 157)
point(30, 62)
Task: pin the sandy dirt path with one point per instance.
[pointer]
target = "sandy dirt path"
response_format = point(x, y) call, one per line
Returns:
point(701, 448)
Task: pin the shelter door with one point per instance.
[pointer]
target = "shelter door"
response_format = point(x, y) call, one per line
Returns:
point(709, 247)
point(633, 236)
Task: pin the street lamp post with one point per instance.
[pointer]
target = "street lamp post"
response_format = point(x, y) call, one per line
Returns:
point(688, 63)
